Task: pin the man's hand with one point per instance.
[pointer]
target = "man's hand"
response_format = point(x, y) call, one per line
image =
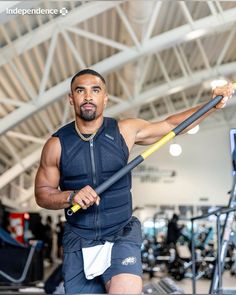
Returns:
point(226, 91)
point(86, 197)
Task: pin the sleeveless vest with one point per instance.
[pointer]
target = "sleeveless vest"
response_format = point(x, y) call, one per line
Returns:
point(91, 163)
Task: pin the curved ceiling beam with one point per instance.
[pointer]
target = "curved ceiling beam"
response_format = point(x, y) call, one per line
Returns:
point(19, 168)
point(158, 43)
point(184, 33)
point(46, 31)
point(174, 86)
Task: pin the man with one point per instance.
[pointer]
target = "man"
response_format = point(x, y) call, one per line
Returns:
point(82, 155)
point(173, 231)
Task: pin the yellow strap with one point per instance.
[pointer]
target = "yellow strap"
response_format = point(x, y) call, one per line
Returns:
point(158, 144)
point(234, 85)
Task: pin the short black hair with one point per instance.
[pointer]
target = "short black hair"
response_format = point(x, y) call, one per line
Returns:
point(87, 72)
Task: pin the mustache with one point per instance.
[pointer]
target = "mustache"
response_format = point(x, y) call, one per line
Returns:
point(86, 103)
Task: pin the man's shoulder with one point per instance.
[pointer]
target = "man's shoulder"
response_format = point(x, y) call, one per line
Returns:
point(64, 129)
point(127, 123)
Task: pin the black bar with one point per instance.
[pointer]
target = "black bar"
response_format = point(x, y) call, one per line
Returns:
point(114, 178)
point(193, 258)
point(207, 215)
point(204, 109)
point(139, 159)
point(218, 253)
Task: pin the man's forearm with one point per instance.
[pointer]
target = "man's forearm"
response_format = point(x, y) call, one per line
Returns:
point(50, 198)
point(176, 119)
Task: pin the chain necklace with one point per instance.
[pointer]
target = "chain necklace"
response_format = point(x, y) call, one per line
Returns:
point(82, 136)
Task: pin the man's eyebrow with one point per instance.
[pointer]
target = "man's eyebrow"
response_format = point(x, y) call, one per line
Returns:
point(79, 87)
point(83, 87)
point(96, 87)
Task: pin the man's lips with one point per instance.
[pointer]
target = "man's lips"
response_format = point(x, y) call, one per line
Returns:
point(88, 106)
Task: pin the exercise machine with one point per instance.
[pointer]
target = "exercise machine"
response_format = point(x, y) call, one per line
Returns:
point(225, 233)
point(19, 263)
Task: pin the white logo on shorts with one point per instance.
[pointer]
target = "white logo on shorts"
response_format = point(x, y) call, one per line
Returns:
point(129, 260)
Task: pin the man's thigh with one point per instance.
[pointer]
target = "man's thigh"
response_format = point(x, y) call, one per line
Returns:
point(74, 277)
point(125, 284)
point(126, 256)
point(126, 259)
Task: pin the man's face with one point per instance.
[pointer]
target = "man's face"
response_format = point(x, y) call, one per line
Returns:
point(88, 96)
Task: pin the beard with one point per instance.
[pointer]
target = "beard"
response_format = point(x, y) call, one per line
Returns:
point(88, 115)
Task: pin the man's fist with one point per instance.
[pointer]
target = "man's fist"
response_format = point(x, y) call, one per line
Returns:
point(226, 91)
point(86, 197)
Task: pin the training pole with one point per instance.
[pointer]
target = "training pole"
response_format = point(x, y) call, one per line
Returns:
point(140, 158)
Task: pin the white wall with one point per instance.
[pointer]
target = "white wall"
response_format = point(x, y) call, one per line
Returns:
point(204, 169)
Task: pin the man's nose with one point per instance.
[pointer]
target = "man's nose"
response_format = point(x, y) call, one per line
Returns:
point(87, 96)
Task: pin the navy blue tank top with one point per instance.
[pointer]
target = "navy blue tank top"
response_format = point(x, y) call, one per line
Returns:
point(91, 163)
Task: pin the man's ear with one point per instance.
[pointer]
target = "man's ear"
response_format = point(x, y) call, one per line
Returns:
point(71, 101)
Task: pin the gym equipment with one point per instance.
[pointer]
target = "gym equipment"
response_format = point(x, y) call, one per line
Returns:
point(139, 159)
point(179, 265)
point(177, 269)
point(150, 255)
point(164, 286)
point(224, 235)
point(216, 265)
point(6, 238)
point(176, 258)
point(19, 263)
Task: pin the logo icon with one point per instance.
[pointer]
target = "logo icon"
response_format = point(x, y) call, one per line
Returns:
point(129, 260)
point(63, 11)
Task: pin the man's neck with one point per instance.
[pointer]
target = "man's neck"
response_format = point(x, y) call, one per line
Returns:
point(89, 127)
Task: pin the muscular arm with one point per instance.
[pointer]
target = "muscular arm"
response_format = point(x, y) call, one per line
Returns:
point(47, 193)
point(144, 133)
point(47, 179)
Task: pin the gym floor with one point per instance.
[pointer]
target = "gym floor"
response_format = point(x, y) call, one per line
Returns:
point(202, 285)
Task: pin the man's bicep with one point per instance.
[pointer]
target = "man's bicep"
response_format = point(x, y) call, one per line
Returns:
point(48, 173)
point(48, 177)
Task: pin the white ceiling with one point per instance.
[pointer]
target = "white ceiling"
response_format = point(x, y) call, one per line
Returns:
point(158, 58)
